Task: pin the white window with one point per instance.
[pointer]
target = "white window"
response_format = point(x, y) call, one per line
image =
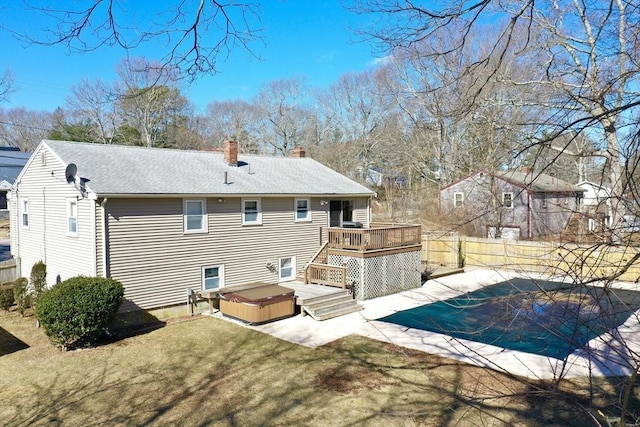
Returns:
point(251, 213)
point(72, 217)
point(195, 216)
point(287, 268)
point(24, 213)
point(302, 210)
point(212, 277)
point(458, 199)
point(507, 200)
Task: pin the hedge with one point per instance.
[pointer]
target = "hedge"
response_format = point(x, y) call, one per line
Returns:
point(76, 312)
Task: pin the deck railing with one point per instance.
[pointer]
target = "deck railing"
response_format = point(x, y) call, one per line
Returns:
point(379, 236)
point(324, 274)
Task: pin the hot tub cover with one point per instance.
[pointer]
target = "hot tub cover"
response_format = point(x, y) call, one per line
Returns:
point(261, 295)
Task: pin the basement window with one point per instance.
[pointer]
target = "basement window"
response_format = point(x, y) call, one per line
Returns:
point(212, 277)
point(287, 268)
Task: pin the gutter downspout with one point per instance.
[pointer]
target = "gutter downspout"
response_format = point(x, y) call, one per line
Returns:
point(93, 239)
point(103, 213)
point(17, 237)
point(44, 224)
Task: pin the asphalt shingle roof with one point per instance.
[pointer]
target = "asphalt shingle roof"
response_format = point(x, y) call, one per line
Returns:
point(11, 164)
point(129, 170)
point(540, 182)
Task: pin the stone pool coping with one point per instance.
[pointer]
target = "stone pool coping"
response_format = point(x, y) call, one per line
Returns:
point(608, 357)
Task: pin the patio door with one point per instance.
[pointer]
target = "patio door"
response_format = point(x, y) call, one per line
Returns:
point(340, 211)
point(335, 213)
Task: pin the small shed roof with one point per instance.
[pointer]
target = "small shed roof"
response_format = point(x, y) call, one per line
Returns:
point(130, 170)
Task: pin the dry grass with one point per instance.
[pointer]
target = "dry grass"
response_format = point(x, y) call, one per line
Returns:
point(212, 372)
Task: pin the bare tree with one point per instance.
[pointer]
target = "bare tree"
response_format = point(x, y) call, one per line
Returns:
point(24, 128)
point(361, 105)
point(7, 85)
point(283, 114)
point(94, 102)
point(235, 120)
point(197, 34)
point(588, 73)
point(149, 102)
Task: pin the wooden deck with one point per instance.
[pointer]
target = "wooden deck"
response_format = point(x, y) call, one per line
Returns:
point(376, 241)
point(377, 237)
point(308, 292)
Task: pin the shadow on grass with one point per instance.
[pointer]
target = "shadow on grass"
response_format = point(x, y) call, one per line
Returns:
point(9, 343)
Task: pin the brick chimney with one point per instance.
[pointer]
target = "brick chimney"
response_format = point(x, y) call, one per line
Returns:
point(230, 149)
point(297, 152)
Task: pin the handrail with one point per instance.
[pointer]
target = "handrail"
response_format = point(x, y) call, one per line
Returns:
point(367, 239)
point(325, 274)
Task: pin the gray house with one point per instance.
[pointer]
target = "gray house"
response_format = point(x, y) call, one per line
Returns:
point(510, 204)
point(163, 221)
point(12, 160)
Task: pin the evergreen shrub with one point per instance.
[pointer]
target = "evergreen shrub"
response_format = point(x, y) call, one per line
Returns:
point(6, 296)
point(20, 294)
point(38, 280)
point(76, 312)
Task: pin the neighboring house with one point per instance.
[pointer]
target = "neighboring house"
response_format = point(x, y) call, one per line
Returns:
point(596, 204)
point(12, 160)
point(379, 178)
point(512, 204)
point(167, 221)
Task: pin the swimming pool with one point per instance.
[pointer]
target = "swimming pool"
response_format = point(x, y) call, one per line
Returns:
point(540, 317)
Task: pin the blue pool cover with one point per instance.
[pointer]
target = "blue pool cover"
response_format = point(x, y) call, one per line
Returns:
point(546, 318)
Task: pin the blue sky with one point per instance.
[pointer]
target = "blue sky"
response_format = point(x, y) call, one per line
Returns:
point(308, 38)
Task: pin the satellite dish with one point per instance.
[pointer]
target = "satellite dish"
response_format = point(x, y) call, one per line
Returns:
point(70, 172)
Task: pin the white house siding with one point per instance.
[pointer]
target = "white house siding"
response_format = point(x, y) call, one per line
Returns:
point(46, 237)
point(156, 261)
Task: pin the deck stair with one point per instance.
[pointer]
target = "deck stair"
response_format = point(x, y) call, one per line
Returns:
point(323, 302)
point(325, 307)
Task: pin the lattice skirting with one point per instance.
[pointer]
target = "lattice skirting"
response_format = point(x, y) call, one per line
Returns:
point(382, 275)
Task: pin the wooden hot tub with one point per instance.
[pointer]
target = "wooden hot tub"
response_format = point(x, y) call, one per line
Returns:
point(258, 304)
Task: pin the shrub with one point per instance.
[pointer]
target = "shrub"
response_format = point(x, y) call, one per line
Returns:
point(20, 294)
point(38, 280)
point(6, 296)
point(77, 311)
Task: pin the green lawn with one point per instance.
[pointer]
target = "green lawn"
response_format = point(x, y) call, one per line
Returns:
point(209, 371)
